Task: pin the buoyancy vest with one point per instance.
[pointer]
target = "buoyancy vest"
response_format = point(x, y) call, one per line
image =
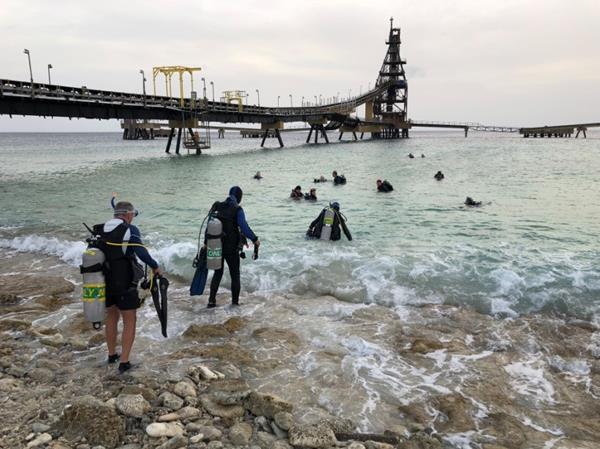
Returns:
point(119, 270)
point(227, 213)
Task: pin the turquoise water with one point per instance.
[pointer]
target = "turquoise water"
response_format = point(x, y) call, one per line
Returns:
point(532, 247)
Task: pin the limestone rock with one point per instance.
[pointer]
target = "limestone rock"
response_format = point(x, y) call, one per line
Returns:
point(184, 390)
point(223, 411)
point(197, 438)
point(314, 436)
point(215, 445)
point(240, 434)
point(423, 346)
point(170, 400)
point(266, 405)
point(56, 340)
point(10, 384)
point(132, 405)
point(205, 332)
point(281, 444)
point(271, 335)
point(284, 420)
point(40, 440)
point(355, 445)
point(208, 432)
point(42, 375)
point(177, 442)
point(265, 440)
point(181, 414)
point(339, 425)
point(170, 429)
point(92, 419)
point(148, 393)
point(235, 323)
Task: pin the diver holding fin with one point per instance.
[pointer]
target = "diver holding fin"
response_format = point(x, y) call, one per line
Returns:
point(226, 228)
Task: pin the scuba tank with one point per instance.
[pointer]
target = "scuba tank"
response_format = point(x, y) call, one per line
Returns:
point(214, 244)
point(327, 224)
point(94, 285)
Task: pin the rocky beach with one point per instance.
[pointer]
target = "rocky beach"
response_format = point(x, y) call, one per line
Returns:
point(527, 382)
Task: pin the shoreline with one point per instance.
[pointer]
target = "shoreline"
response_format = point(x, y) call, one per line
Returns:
point(46, 367)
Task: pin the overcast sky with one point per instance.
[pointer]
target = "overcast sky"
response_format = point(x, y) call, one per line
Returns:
point(509, 62)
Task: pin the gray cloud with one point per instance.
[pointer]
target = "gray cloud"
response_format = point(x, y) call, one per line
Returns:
point(511, 62)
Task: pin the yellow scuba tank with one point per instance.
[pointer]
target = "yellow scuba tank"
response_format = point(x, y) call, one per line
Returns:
point(94, 286)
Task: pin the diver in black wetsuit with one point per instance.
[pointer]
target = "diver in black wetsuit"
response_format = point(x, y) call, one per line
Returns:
point(471, 202)
point(327, 225)
point(384, 186)
point(233, 218)
point(297, 193)
point(338, 180)
point(312, 196)
point(439, 175)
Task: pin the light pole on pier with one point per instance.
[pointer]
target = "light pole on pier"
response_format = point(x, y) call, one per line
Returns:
point(349, 94)
point(337, 99)
point(258, 95)
point(203, 88)
point(29, 59)
point(320, 99)
point(291, 103)
point(277, 100)
point(143, 84)
point(316, 101)
point(369, 85)
point(212, 84)
point(49, 67)
point(303, 101)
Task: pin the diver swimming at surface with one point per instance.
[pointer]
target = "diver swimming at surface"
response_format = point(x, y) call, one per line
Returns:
point(312, 196)
point(297, 193)
point(471, 202)
point(338, 180)
point(327, 225)
point(384, 186)
point(439, 175)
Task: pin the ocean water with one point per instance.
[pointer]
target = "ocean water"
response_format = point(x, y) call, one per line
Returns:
point(342, 315)
point(531, 247)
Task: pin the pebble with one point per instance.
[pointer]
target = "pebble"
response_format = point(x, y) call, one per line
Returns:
point(197, 438)
point(38, 427)
point(184, 389)
point(164, 429)
point(41, 439)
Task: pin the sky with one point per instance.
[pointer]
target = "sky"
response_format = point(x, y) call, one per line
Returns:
point(505, 63)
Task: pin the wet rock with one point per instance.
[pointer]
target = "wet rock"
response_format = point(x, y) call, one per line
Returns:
point(148, 394)
point(284, 420)
point(170, 401)
point(205, 332)
point(277, 336)
point(263, 423)
point(229, 391)
point(421, 440)
point(339, 425)
point(423, 346)
point(266, 405)
point(170, 429)
point(378, 445)
point(176, 442)
point(132, 405)
point(24, 285)
point(230, 352)
point(312, 436)
point(230, 371)
point(240, 434)
point(48, 364)
point(573, 444)
point(14, 325)
point(202, 372)
point(185, 389)
point(180, 415)
point(56, 340)
point(222, 411)
point(8, 298)
point(40, 440)
point(507, 430)
point(41, 375)
point(459, 412)
point(235, 323)
point(90, 418)
point(196, 438)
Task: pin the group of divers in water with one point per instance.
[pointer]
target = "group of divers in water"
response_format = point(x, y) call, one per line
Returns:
point(112, 274)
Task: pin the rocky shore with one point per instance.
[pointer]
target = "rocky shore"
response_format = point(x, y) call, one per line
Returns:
point(57, 391)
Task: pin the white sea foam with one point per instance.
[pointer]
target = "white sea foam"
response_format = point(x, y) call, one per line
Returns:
point(68, 251)
point(528, 380)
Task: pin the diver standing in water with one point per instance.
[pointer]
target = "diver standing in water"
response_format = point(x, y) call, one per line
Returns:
point(124, 243)
point(233, 219)
point(327, 225)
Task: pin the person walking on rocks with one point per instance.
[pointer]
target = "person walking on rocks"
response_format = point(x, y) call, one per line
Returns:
point(124, 243)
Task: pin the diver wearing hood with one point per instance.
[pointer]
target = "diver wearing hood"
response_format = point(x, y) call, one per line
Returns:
point(327, 225)
point(235, 227)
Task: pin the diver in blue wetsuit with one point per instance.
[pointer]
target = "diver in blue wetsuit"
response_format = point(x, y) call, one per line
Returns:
point(235, 227)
